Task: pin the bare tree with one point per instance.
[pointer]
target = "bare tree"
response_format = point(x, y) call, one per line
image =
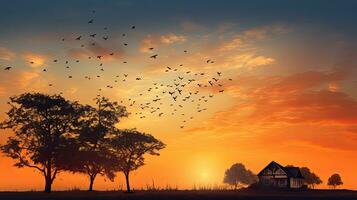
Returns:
point(237, 175)
point(42, 126)
point(130, 146)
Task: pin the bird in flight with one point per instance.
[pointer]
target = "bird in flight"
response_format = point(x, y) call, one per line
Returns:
point(7, 68)
point(154, 56)
point(90, 21)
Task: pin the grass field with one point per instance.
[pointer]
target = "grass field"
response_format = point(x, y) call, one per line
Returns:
point(187, 195)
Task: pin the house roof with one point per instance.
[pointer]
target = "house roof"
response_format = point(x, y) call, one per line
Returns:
point(293, 172)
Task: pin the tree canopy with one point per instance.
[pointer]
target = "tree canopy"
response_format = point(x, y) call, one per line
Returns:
point(43, 127)
point(334, 180)
point(238, 175)
point(130, 146)
point(52, 134)
point(92, 156)
point(310, 178)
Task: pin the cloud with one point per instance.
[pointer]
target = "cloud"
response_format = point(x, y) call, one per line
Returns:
point(35, 60)
point(259, 61)
point(265, 32)
point(249, 36)
point(6, 54)
point(149, 41)
point(235, 43)
point(171, 38)
point(247, 60)
point(96, 50)
point(156, 41)
point(26, 77)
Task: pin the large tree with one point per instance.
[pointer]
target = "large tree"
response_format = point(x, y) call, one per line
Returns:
point(237, 175)
point(310, 178)
point(334, 180)
point(92, 156)
point(43, 126)
point(130, 146)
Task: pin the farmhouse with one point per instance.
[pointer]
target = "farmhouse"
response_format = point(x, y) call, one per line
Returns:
point(275, 175)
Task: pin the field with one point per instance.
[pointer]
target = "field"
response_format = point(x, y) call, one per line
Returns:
point(187, 195)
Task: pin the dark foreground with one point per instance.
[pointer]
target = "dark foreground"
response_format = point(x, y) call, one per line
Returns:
point(187, 195)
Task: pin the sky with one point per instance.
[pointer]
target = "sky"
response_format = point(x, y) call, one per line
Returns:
point(286, 88)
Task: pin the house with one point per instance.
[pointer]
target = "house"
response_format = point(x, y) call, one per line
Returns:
point(275, 175)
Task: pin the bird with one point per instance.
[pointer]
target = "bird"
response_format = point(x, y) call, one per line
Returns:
point(79, 37)
point(133, 27)
point(7, 68)
point(154, 56)
point(90, 21)
point(93, 35)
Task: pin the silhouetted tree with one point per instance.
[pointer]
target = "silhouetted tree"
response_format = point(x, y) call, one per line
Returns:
point(92, 156)
point(42, 126)
point(130, 146)
point(310, 178)
point(334, 180)
point(237, 174)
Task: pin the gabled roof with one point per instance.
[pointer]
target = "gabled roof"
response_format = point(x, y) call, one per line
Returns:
point(293, 172)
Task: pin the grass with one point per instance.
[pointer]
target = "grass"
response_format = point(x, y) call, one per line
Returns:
point(172, 194)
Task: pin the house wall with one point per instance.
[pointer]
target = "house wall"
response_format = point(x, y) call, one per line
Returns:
point(296, 183)
point(270, 181)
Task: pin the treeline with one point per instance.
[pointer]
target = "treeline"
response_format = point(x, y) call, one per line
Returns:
point(53, 135)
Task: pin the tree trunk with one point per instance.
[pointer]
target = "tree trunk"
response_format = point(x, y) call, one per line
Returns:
point(127, 182)
point(48, 178)
point(91, 182)
point(48, 183)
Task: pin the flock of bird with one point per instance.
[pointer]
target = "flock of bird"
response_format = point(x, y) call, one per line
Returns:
point(180, 91)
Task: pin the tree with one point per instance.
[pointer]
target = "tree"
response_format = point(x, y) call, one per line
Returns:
point(237, 174)
point(130, 146)
point(334, 180)
point(310, 178)
point(92, 155)
point(42, 126)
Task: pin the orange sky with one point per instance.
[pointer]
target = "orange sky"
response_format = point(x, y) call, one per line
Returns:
point(292, 98)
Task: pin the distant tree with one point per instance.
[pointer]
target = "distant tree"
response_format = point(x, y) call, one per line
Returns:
point(92, 155)
point(42, 126)
point(334, 180)
point(310, 178)
point(237, 175)
point(130, 146)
